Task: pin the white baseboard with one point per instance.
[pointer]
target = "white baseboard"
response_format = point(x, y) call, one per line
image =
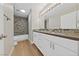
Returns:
point(11, 51)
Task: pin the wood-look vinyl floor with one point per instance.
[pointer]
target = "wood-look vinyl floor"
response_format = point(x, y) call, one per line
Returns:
point(25, 48)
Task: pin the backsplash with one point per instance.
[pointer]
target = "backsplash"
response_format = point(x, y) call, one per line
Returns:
point(20, 25)
point(60, 30)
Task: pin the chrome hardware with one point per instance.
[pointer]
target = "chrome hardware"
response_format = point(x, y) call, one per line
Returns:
point(2, 36)
point(53, 47)
point(50, 44)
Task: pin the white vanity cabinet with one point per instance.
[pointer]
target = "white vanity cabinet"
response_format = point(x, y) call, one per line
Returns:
point(51, 45)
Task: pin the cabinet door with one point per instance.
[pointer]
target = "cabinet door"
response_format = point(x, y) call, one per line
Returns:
point(46, 46)
point(43, 44)
point(36, 38)
point(39, 41)
point(61, 51)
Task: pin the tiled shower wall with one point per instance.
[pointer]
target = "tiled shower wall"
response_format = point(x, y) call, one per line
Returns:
point(20, 25)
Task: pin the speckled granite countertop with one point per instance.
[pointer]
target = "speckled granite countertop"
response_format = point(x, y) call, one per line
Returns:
point(69, 35)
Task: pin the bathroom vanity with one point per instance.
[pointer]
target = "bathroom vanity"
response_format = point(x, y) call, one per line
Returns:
point(57, 43)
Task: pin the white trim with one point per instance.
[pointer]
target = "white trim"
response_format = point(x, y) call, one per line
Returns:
point(11, 51)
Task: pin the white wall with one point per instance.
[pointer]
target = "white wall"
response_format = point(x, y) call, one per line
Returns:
point(35, 19)
point(1, 30)
point(9, 30)
point(36, 15)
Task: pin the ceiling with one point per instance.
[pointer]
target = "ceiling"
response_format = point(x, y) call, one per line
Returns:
point(27, 7)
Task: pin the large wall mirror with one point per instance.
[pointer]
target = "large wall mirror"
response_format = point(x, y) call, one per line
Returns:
point(66, 15)
point(63, 16)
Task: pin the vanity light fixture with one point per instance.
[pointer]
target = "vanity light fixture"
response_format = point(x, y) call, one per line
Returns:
point(23, 11)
